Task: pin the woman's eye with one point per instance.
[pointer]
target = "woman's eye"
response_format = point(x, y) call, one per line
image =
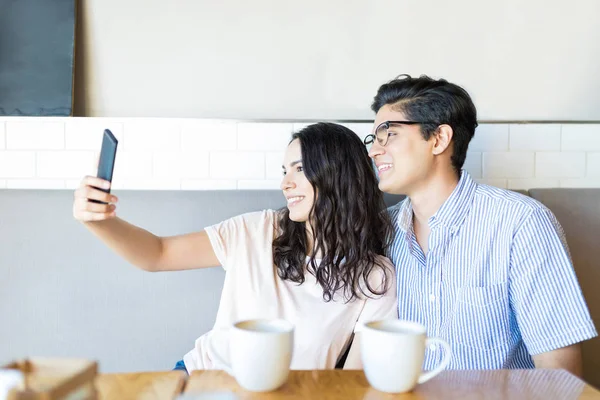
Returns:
point(299, 169)
point(283, 173)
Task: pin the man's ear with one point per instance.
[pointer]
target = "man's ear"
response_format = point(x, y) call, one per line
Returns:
point(442, 138)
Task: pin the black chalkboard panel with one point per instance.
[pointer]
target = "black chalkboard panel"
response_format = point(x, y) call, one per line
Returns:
point(37, 39)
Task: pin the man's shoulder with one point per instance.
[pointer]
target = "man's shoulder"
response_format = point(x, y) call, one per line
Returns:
point(505, 201)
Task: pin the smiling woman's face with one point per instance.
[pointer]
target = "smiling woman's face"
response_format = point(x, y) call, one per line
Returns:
point(296, 188)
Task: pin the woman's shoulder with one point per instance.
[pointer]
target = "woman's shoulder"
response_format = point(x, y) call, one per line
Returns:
point(384, 262)
point(383, 273)
point(244, 225)
point(255, 217)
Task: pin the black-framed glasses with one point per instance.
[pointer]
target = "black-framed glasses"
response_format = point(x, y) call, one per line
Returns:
point(382, 133)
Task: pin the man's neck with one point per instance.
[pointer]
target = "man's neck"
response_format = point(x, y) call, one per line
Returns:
point(427, 199)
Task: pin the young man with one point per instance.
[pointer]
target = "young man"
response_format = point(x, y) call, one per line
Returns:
point(486, 269)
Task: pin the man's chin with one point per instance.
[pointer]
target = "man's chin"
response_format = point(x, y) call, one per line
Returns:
point(387, 186)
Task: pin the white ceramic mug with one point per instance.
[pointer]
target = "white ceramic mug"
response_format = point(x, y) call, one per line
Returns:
point(260, 353)
point(392, 353)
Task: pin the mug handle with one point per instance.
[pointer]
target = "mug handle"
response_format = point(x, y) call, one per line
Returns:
point(217, 357)
point(447, 355)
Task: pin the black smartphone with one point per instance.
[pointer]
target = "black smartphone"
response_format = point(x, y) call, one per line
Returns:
point(108, 154)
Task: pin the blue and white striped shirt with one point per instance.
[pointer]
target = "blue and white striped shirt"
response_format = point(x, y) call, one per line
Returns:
point(497, 282)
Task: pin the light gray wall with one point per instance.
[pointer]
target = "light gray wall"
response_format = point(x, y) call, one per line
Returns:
point(64, 294)
point(275, 59)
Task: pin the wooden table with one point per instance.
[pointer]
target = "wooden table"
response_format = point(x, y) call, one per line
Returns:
point(141, 386)
point(338, 384)
point(464, 385)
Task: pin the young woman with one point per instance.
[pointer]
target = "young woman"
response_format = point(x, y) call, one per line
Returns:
point(317, 262)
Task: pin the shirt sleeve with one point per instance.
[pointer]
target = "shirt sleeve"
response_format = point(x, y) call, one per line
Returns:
point(382, 306)
point(544, 292)
point(234, 235)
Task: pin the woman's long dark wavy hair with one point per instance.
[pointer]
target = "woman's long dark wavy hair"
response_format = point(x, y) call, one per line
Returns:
point(348, 219)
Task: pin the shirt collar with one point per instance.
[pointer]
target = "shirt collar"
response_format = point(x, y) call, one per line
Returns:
point(452, 212)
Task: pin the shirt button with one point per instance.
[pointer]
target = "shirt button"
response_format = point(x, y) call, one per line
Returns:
point(431, 297)
point(433, 347)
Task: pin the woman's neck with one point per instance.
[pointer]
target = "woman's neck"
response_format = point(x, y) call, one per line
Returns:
point(310, 241)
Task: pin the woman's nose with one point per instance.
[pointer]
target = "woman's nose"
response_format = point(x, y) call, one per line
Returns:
point(287, 183)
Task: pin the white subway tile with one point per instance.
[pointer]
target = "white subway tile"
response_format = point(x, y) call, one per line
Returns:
point(237, 165)
point(133, 164)
point(72, 184)
point(197, 154)
point(167, 164)
point(273, 163)
point(508, 165)
point(534, 137)
point(33, 135)
point(580, 183)
point(271, 184)
point(35, 184)
point(580, 137)
point(264, 136)
point(65, 164)
point(296, 126)
point(86, 133)
point(181, 165)
point(500, 183)
point(149, 134)
point(559, 165)
point(473, 164)
point(118, 182)
point(208, 184)
point(17, 164)
point(593, 164)
point(2, 136)
point(526, 184)
point(490, 137)
point(205, 136)
point(149, 184)
point(361, 129)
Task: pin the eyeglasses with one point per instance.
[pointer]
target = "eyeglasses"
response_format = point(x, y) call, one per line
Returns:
point(382, 133)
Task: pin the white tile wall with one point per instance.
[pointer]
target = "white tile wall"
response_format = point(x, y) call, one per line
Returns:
point(64, 164)
point(273, 163)
point(198, 135)
point(593, 164)
point(473, 164)
point(579, 137)
point(490, 137)
point(2, 136)
point(534, 137)
point(237, 165)
point(508, 164)
point(560, 164)
point(17, 164)
point(199, 154)
point(263, 136)
point(35, 135)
